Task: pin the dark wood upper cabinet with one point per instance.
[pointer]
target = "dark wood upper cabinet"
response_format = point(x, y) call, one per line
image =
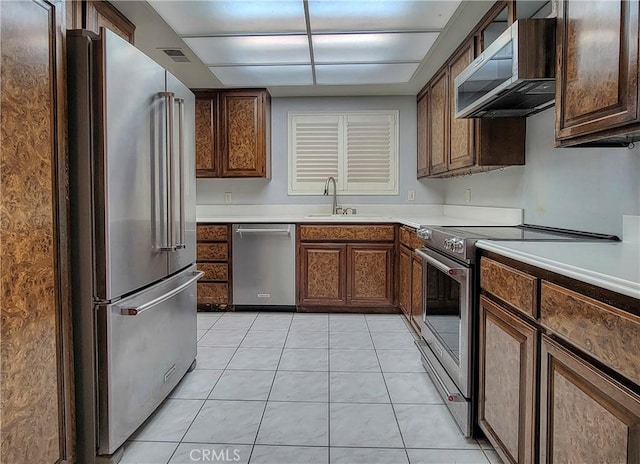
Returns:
point(439, 127)
point(99, 14)
point(597, 97)
point(245, 133)
point(423, 135)
point(207, 150)
point(461, 149)
point(233, 131)
point(463, 146)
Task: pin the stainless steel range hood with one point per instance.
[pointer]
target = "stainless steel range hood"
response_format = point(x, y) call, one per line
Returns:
point(514, 76)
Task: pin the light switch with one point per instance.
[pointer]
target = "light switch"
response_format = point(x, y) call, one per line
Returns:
point(228, 197)
point(411, 195)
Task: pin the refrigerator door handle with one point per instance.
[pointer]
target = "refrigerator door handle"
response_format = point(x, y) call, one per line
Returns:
point(135, 310)
point(181, 232)
point(169, 245)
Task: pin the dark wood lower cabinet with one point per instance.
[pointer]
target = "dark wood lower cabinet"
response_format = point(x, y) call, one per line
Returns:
point(214, 259)
point(322, 274)
point(507, 384)
point(416, 291)
point(404, 280)
point(585, 415)
point(370, 274)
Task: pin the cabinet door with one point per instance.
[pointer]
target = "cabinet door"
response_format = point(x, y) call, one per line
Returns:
point(439, 126)
point(423, 136)
point(207, 164)
point(597, 80)
point(507, 392)
point(36, 392)
point(243, 134)
point(585, 416)
point(417, 285)
point(461, 151)
point(404, 276)
point(99, 13)
point(322, 275)
point(370, 275)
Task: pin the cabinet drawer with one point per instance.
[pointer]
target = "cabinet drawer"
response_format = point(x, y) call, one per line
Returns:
point(607, 333)
point(214, 271)
point(213, 252)
point(510, 285)
point(213, 293)
point(210, 232)
point(374, 233)
point(409, 238)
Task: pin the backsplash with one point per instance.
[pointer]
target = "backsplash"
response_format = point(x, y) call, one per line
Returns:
point(575, 188)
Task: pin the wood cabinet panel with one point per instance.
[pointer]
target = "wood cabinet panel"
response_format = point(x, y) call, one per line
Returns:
point(510, 285)
point(409, 238)
point(210, 232)
point(507, 392)
point(585, 415)
point(214, 271)
point(244, 138)
point(99, 13)
point(322, 274)
point(608, 334)
point(37, 423)
point(439, 130)
point(370, 278)
point(461, 152)
point(371, 232)
point(207, 150)
point(210, 293)
point(423, 136)
point(597, 80)
point(417, 303)
point(404, 277)
point(212, 251)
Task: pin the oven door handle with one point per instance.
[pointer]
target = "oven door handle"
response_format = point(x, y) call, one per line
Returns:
point(452, 271)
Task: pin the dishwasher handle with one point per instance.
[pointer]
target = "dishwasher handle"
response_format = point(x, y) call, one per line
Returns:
point(286, 231)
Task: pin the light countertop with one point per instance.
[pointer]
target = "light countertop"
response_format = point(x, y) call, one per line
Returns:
point(611, 265)
point(412, 216)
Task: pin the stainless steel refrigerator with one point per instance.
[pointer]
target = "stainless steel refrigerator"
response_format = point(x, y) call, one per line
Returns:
point(132, 189)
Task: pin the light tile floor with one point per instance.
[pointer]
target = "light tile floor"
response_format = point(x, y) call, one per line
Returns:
point(284, 388)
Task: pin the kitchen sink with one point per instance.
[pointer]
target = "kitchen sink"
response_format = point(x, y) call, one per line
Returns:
point(346, 216)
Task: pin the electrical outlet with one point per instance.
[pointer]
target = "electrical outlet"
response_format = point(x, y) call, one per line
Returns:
point(411, 195)
point(467, 195)
point(228, 197)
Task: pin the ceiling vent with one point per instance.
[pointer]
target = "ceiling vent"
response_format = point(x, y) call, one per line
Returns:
point(176, 55)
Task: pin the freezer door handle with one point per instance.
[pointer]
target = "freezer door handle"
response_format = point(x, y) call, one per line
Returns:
point(181, 232)
point(169, 244)
point(135, 310)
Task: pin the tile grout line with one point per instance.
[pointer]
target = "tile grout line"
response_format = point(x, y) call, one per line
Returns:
point(223, 371)
point(266, 403)
point(395, 415)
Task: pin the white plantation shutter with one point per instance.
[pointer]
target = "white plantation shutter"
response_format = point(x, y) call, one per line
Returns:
point(314, 152)
point(370, 153)
point(359, 149)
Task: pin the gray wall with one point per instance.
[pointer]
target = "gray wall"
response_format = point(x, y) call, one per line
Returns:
point(274, 191)
point(579, 188)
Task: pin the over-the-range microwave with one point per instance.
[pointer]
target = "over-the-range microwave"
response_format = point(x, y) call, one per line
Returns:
point(514, 76)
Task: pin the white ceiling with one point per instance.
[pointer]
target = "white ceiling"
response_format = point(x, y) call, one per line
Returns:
point(319, 47)
point(308, 42)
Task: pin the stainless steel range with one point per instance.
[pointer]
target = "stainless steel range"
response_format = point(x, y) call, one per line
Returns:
point(450, 293)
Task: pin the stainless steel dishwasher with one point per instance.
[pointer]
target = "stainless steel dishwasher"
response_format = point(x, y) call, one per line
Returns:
point(264, 266)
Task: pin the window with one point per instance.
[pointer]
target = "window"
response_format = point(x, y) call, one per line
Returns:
point(359, 149)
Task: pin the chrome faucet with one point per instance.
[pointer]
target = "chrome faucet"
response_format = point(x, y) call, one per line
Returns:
point(335, 194)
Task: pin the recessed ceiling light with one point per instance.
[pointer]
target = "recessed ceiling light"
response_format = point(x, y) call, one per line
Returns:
point(261, 76)
point(271, 49)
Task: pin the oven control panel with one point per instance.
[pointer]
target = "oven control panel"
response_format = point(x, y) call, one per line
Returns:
point(454, 244)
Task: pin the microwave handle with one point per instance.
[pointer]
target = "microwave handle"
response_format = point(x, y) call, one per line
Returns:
point(452, 271)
